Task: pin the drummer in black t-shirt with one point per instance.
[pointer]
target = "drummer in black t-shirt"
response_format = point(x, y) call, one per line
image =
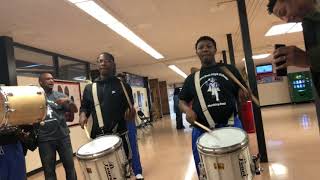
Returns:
point(220, 94)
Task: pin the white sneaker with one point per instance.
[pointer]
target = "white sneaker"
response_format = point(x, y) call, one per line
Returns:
point(139, 177)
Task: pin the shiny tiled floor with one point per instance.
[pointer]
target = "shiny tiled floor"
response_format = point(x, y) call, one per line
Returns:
point(292, 137)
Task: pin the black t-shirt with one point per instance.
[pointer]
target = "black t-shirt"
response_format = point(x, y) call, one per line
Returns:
point(113, 105)
point(55, 126)
point(219, 91)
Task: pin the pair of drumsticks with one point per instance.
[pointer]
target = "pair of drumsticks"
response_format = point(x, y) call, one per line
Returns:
point(234, 79)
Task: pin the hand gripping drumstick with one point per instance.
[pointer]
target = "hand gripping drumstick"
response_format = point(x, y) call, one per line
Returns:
point(202, 126)
point(230, 75)
point(206, 129)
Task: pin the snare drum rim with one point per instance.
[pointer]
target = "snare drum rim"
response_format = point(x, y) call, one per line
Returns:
point(5, 108)
point(45, 108)
point(99, 154)
point(223, 150)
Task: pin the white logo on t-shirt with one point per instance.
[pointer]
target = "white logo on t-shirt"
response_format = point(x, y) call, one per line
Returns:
point(49, 112)
point(213, 87)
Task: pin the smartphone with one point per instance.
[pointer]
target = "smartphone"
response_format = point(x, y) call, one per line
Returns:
point(284, 71)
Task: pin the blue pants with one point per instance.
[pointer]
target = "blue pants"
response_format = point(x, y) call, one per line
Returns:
point(197, 132)
point(12, 162)
point(132, 133)
point(47, 151)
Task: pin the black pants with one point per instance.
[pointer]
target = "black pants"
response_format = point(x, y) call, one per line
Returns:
point(126, 146)
point(179, 123)
point(47, 151)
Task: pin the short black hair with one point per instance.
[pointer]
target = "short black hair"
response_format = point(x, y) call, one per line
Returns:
point(206, 38)
point(41, 76)
point(106, 55)
point(271, 5)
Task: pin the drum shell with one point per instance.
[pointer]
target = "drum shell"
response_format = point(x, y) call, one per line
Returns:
point(226, 163)
point(22, 105)
point(232, 166)
point(108, 164)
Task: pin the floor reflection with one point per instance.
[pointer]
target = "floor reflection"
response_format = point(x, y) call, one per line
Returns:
point(277, 169)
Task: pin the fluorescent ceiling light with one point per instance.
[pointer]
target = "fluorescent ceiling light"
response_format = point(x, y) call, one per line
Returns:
point(178, 71)
point(34, 65)
point(296, 28)
point(134, 39)
point(96, 11)
point(259, 56)
point(284, 28)
point(77, 1)
point(80, 78)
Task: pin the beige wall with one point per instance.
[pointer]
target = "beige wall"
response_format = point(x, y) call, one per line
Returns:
point(26, 81)
point(145, 104)
point(274, 93)
point(277, 92)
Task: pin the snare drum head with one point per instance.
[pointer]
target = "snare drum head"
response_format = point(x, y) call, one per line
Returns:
point(223, 138)
point(99, 145)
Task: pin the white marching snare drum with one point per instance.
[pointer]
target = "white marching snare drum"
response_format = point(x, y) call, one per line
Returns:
point(22, 105)
point(103, 159)
point(224, 155)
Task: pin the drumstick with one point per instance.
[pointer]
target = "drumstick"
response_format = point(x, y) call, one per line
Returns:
point(86, 131)
point(230, 75)
point(202, 126)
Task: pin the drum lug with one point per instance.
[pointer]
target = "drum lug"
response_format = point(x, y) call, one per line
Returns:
point(256, 163)
point(202, 172)
point(39, 92)
point(126, 167)
point(42, 123)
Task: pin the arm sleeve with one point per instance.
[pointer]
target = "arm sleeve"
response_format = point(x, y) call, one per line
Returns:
point(85, 103)
point(129, 91)
point(186, 92)
point(314, 58)
point(237, 74)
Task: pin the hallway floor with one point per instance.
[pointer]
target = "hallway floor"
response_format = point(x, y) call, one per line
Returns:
point(292, 137)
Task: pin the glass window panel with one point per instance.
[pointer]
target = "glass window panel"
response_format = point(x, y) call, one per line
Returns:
point(30, 63)
point(72, 70)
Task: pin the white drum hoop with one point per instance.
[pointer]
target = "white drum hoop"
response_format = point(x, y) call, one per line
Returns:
point(4, 118)
point(96, 156)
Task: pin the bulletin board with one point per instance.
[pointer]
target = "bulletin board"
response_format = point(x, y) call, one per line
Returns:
point(72, 90)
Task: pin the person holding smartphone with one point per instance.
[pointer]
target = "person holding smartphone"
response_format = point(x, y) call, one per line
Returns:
point(307, 12)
